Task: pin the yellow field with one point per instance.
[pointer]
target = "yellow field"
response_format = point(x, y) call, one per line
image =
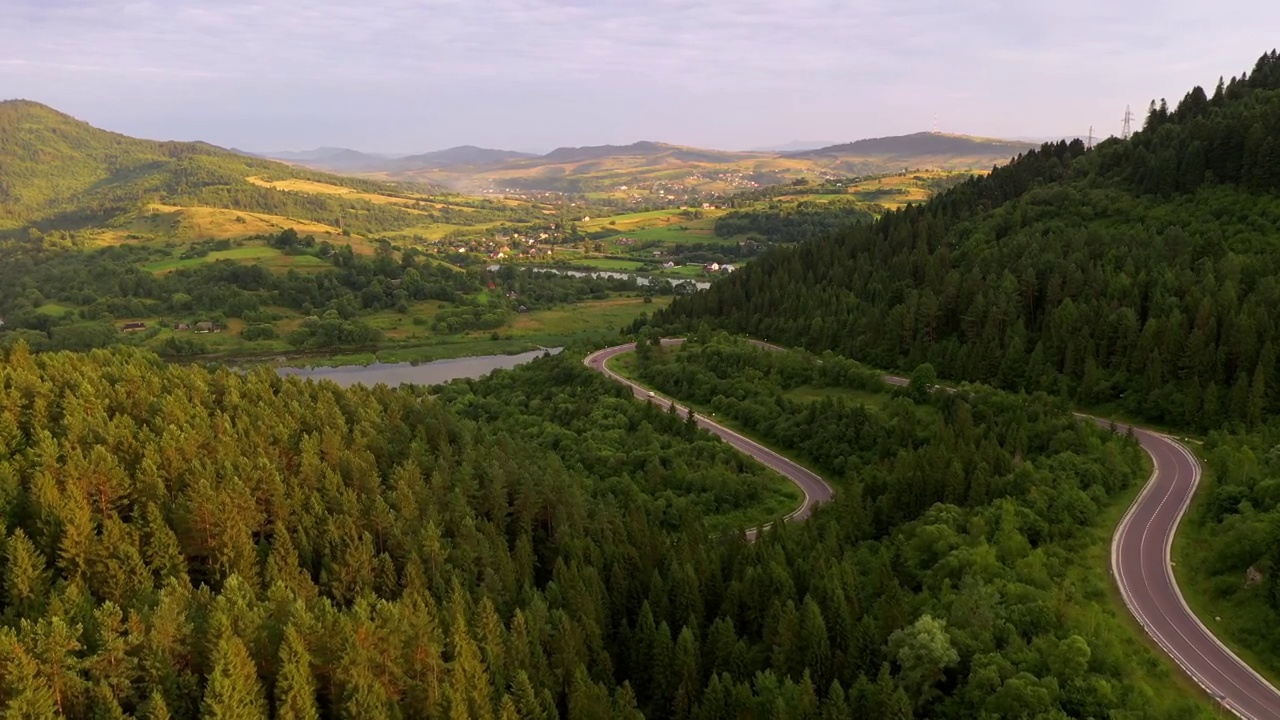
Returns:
point(183, 223)
point(643, 220)
point(310, 187)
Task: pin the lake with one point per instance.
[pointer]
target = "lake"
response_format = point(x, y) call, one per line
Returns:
point(428, 373)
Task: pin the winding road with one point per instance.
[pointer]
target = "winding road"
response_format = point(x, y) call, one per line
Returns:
point(1140, 550)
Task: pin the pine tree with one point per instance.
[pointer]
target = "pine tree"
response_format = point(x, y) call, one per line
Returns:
point(154, 708)
point(27, 695)
point(685, 675)
point(55, 645)
point(104, 705)
point(26, 581)
point(233, 691)
point(115, 664)
point(295, 684)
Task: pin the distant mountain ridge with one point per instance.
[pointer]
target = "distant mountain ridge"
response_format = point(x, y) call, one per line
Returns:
point(922, 143)
point(615, 168)
point(460, 156)
point(795, 146)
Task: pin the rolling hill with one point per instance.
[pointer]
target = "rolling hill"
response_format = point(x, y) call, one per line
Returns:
point(59, 173)
point(647, 168)
point(920, 145)
point(461, 156)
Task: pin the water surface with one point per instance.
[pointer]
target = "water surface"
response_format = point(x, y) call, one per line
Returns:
point(428, 373)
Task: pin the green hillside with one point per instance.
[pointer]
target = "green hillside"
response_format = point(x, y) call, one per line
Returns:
point(58, 173)
point(1141, 274)
point(1139, 278)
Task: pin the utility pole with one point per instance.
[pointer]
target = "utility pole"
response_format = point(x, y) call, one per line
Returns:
point(1127, 132)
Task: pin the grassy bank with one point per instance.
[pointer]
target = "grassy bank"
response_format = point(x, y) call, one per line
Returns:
point(1240, 616)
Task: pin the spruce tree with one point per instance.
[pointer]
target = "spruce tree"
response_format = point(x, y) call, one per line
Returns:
point(295, 682)
point(233, 691)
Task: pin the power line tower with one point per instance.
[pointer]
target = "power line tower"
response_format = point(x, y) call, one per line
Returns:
point(1089, 145)
point(1127, 132)
point(935, 123)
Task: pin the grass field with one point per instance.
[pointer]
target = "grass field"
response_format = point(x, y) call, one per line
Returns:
point(256, 252)
point(593, 317)
point(55, 309)
point(609, 264)
point(687, 271)
point(189, 223)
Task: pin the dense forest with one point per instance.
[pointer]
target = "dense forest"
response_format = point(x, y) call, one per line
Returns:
point(793, 222)
point(1140, 275)
point(186, 542)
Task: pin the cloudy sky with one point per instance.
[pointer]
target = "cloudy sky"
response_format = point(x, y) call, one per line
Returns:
point(416, 75)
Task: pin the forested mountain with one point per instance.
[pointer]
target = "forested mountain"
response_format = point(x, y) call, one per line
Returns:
point(57, 172)
point(1143, 273)
point(921, 144)
point(185, 542)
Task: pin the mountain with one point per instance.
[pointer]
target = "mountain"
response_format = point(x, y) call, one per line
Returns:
point(921, 144)
point(334, 159)
point(655, 168)
point(1140, 274)
point(643, 149)
point(57, 172)
point(457, 157)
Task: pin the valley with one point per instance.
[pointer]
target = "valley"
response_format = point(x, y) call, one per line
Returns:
point(176, 234)
point(876, 475)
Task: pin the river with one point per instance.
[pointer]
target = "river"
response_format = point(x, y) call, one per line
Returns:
point(640, 279)
point(428, 373)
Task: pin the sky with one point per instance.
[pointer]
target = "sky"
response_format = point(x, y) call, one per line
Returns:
point(401, 76)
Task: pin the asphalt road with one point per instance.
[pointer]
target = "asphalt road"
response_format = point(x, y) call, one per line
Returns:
point(816, 490)
point(1140, 551)
point(1143, 568)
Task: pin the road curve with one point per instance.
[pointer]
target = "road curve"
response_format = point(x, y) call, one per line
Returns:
point(816, 490)
point(1143, 568)
point(1141, 547)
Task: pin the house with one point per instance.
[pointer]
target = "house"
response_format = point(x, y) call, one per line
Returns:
point(727, 268)
point(668, 265)
point(712, 267)
point(181, 326)
point(133, 326)
point(207, 327)
point(522, 309)
point(511, 295)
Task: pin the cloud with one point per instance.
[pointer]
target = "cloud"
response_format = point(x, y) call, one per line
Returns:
point(736, 70)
